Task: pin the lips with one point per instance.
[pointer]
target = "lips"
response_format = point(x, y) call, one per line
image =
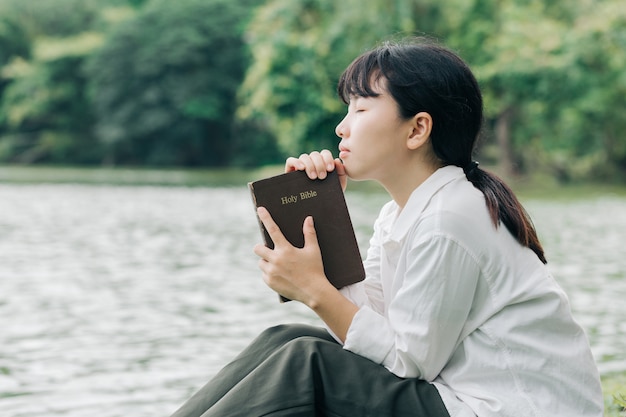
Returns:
point(343, 151)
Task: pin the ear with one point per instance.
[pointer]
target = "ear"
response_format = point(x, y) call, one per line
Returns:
point(422, 125)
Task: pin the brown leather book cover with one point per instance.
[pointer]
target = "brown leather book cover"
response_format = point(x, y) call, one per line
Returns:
point(290, 198)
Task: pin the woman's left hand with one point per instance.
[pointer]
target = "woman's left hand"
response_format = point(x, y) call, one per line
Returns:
point(318, 165)
point(294, 273)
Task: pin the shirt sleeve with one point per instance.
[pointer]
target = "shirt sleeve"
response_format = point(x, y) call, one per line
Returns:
point(367, 293)
point(426, 314)
point(372, 286)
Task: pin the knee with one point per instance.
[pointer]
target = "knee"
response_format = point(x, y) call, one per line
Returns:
point(309, 346)
point(287, 332)
point(311, 354)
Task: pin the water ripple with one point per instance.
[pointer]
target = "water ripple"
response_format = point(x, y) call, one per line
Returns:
point(121, 301)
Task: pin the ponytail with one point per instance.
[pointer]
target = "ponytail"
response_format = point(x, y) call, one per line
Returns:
point(504, 207)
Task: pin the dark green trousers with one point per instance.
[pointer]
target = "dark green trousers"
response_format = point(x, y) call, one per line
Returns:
point(301, 371)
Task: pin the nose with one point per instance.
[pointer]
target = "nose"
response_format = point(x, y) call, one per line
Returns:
point(342, 129)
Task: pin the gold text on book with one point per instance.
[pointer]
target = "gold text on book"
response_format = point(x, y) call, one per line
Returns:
point(289, 199)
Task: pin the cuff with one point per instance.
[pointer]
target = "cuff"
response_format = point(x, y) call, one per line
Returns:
point(369, 336)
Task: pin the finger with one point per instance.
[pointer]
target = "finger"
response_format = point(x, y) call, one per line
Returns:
point(319, 164)
point(294, 164)
point(310, 235)
point(341, 169)
point(263, 265)
point(327, 156)
point(309, 165)
point(272, 228)
point(341, 173)
point(262, 252)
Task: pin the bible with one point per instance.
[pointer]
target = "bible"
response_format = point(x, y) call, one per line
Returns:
point(293, 196)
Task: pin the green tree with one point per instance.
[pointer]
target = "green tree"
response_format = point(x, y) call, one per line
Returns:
point(590, 121)
point(552, 77)
point(515, 50)
point(14, 41)
point(551, 73)
point(163, 85)
point(299, 49)
point(44, 112)
point(44, 108)
point(56, 18)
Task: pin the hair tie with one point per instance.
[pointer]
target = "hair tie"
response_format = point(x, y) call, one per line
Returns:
point(470, 168)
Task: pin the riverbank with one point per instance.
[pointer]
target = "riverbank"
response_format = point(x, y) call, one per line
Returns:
point(232, 177)
point(176, 177)
point(614, 387)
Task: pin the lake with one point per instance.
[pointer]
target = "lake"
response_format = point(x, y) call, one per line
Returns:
point(122, 301)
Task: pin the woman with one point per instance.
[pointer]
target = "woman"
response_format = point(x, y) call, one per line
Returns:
point(458, 315)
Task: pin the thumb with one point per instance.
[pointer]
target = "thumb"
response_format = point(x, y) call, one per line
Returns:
point(341, 172)
point(308, 229)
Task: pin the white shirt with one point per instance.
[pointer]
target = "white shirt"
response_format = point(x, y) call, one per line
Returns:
point(453, 300)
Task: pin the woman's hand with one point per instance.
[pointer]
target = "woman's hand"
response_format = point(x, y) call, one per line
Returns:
point(298, 274)
point(295, 273)
point(317, 165)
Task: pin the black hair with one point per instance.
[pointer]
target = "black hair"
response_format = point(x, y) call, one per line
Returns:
point(423, 76)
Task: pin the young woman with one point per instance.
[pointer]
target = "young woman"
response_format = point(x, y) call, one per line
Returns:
point(458, 315)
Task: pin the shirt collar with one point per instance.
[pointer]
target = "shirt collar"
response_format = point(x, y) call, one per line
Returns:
point(420, 197)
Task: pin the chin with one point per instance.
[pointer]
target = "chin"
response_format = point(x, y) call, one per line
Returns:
point(354, 175)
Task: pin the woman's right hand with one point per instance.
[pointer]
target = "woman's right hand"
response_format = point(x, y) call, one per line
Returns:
point(317, 165)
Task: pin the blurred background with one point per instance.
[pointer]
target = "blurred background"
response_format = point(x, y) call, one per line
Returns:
point(128, 131)
point(208, 83)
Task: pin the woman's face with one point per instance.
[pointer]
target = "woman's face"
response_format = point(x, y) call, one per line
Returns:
point(373, 138)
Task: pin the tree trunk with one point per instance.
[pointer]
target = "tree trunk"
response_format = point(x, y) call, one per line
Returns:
point(503, 137)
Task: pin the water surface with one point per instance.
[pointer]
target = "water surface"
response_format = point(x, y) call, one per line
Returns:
point(122, 301)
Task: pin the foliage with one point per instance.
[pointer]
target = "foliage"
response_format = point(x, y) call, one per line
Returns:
point(553, 80)
point(614, 389)
point(545, 98)
point(163, 85)
point(166, 79)
point(44, 112)
point(594, 119)
point(299, 49)
point(13, 41)
point(57, 17)
point(45, 108)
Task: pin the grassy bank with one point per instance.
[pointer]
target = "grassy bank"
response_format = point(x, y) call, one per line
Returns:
point(184, 177)
point(131, 176)
point(614, 387)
